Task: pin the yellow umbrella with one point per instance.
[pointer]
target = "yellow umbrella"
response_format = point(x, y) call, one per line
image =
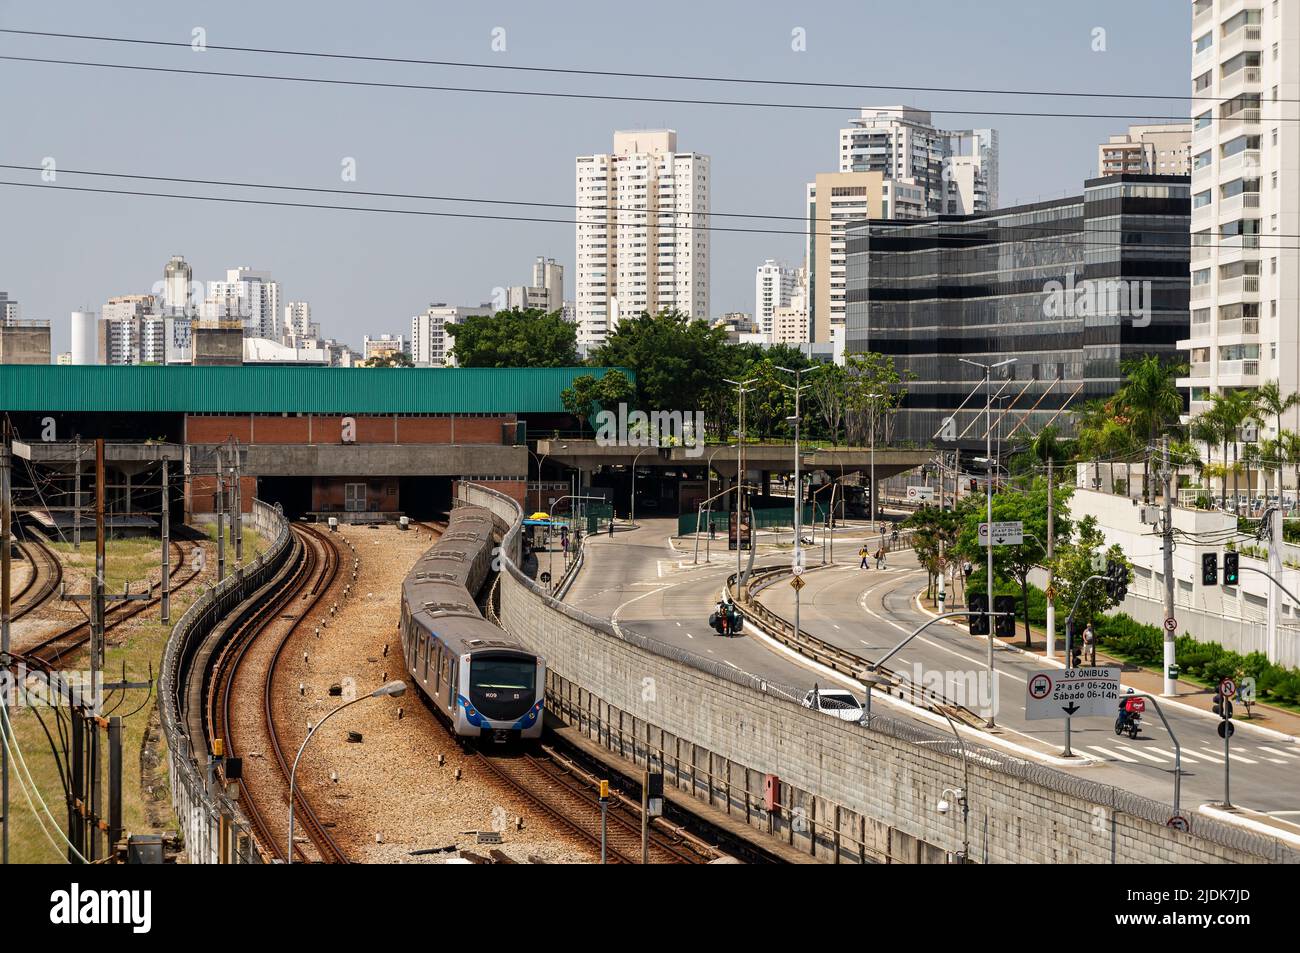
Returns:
point(540, 516)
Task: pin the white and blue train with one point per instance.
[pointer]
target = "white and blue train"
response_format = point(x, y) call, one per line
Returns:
point(484, 681)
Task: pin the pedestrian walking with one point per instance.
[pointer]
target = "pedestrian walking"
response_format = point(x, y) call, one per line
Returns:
point(611, 524)
point(862, 555)
point(880, 556)
point(1090, 645)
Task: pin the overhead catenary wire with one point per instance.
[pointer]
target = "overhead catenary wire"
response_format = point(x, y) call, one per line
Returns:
point(623, 74)
point(601, 97)
point(15, 751)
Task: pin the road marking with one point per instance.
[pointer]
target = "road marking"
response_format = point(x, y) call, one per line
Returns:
point(689, 636)
point(836, 626)
point(732, 664)
point(1142, 754)
point(1113, 754)
point(1209, 756)
point(678, 624)
point(1285, 754)
point(1243, 759)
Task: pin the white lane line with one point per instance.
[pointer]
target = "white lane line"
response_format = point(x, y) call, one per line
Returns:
point(1113, 754)
point(1188, 759)
point(836, 626)
point(678, 624)
point(732, 664)
point(865, 642)
point(1243, 759)
point(1208, 756)
point(1278, 751)
point(1142, 754)
point(689, 636)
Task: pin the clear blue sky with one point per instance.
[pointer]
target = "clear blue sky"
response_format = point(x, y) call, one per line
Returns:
point(369, 273)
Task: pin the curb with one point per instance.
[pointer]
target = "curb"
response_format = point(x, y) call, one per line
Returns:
point(1246, 823)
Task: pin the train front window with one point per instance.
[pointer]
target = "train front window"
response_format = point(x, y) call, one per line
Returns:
point(502, 687)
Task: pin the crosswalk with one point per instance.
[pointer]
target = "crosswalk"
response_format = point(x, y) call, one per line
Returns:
point(1139, 753)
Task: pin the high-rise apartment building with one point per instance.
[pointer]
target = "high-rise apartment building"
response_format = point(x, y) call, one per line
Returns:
point(774, 286)
point(1160, 149)
point(132, 331)
point(430, 343)
point(546, 293)
point(8, 308)
point(298, 325)
point(177, 277)
point(247, 295)
point(642, 238)
point(1245, 271)
point(957, 171)
point(386, 345)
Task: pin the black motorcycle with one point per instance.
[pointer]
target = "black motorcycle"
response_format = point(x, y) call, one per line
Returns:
point(1128, 721)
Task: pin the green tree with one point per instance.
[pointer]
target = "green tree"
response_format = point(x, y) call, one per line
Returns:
point(1272, 403)
point(1075, 562)
point(680, 364)
point(589, 394)
point(1029, 507)
point(515, 338)
point(389, 359)
point(874, 390)
point(934, 536)
point(1150, 402)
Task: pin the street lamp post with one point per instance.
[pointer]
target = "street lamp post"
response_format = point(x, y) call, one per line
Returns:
point(540, 461)
point(742, 388)
point(393, 689)
point(988, 490)
point(708, 513)
point(632, 513)
point(798, 478)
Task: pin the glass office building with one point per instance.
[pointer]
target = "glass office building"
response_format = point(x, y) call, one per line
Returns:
point(1071, 288)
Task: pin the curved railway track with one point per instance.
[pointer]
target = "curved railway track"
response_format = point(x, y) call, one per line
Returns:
point(52, 649)
point(566, 795)
point(42, 582)
point(315, 568)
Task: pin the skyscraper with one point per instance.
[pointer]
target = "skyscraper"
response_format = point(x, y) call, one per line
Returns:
point(642, 238)
point(177, 276)
point(247, 295)
point(774, 285)
point(1245, 272)
point(958, 171)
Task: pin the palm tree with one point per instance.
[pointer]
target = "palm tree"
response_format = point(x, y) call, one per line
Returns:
point(1151, 400)
point(1232, 410)
point(1271, 402)
point(1205, 428)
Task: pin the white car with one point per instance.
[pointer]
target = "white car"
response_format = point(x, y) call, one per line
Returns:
point(837, 702)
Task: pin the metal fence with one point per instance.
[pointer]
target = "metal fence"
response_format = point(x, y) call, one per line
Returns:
point(212, 825)
point(763, 518)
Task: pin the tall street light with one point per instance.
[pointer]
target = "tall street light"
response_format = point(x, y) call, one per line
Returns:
point(708, 502)
point(798, 388)
point(392, 689)
point(742, 388)
point(988, 492)
point(632, 513)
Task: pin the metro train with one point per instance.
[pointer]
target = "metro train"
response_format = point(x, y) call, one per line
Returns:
point(483, 680)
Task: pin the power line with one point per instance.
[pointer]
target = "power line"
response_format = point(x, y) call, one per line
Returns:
point(901, 224)
point(606, 97)
point(624, 74)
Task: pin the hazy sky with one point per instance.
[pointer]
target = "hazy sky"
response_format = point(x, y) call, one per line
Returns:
point(368, 273)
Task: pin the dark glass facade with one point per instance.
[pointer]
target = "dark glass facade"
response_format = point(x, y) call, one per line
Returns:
point(1071, 288)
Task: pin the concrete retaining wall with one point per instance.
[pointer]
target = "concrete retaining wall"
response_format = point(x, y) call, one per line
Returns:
point(847, 793)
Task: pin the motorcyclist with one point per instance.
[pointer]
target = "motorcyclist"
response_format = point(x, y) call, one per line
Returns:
point(1125, 718)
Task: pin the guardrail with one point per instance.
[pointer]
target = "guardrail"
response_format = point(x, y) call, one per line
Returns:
point(212, 824)
point(833, 656)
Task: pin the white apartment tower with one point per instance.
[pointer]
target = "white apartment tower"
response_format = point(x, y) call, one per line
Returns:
point(774, 285)
point(642, 237)
point(546, 293)
point(298, 325)
point(430, 343)
point(247, 295)
point(1245, 200)
point(1157, 149)
point(958, 171)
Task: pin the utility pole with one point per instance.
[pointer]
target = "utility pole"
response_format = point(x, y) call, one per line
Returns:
point(76, 494)
point(1274, 570)
point(5, 569)
point(1051, 550)
point(165, 523)
point(798, 482)
point(220, 500)
point(741, 390)
point(237, 520)
point(1167, 528)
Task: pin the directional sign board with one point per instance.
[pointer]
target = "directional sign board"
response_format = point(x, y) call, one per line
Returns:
point(920, 494)
point(1077, 692)
point(1004, 534)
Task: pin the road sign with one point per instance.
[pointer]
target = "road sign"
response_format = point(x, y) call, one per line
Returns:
point(920, 494)
point(1179, 823)
point(1051, 593)
point(1226, 729)
point(1077, 692)
point(797, 583)
point(1171, 624)
point(1011, 533)
point(1228, 688)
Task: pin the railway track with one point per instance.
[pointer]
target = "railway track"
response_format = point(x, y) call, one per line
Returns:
point(249, 659)
point(52, 649)
point(44, 579)
point(567, 794)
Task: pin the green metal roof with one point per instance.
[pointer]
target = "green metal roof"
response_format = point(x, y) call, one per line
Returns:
point(277, 389)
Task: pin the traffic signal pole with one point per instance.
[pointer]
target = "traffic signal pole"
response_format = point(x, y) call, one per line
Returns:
point(1069, 648)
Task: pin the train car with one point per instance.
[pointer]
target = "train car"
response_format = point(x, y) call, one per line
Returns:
point(484, 681)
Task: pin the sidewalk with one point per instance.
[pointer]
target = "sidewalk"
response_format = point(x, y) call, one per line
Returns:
point(1146, 680)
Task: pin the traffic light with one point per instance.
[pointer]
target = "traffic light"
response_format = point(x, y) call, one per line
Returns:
point(1076, 658)
point(1222, 706)
point(978, 603)
point(1116, 580)
point(1004, 626)
point(1231, 568)
point(1210, 569)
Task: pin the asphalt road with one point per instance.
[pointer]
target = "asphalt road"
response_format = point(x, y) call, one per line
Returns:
point(643, 583)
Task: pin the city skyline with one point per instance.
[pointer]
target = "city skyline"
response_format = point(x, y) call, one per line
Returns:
point(347, 264)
